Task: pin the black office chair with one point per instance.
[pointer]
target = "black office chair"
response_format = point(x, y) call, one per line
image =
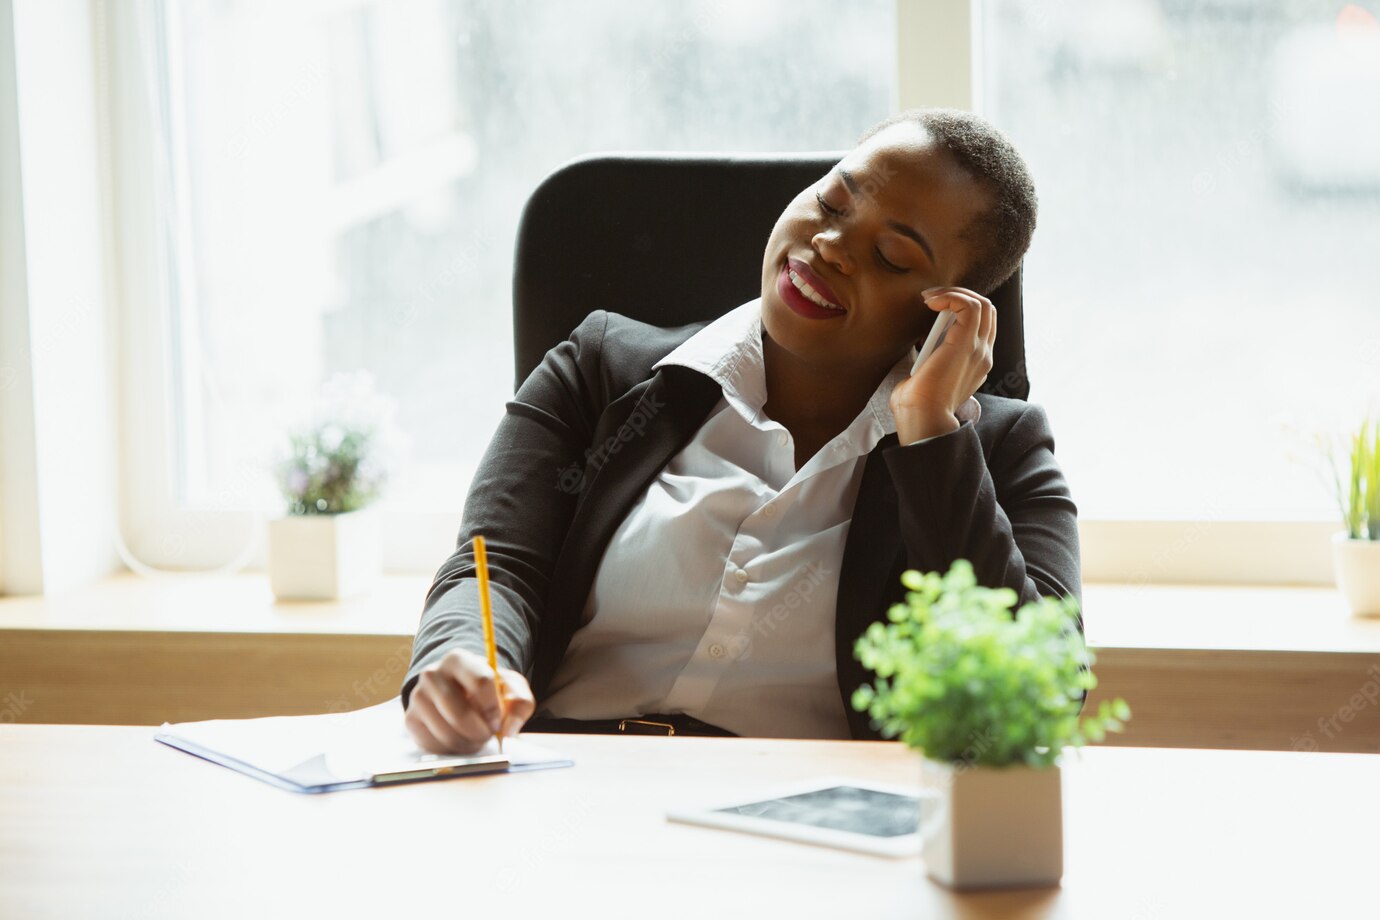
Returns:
point(671, 239)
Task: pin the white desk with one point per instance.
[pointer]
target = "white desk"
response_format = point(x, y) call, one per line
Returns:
point(104, 822)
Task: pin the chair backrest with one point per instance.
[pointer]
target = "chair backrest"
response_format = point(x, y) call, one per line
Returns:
point(672, 239)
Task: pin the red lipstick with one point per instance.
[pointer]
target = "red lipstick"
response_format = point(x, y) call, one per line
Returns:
point(796, 299)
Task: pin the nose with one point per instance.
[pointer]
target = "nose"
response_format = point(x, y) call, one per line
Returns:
point(831, 249)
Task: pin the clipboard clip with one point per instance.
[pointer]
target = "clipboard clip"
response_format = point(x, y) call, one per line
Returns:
point(489, 763)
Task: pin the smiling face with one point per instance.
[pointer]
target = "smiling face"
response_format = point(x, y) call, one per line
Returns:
point(879, 228)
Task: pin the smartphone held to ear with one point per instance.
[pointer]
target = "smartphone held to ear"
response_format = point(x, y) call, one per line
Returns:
point(935, 338)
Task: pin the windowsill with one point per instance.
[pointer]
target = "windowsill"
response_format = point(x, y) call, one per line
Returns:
point(1247, 617)
point(241, 603)
point(1202, 666)
point(1229, 617)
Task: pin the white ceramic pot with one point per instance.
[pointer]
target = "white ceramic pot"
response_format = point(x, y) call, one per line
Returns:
point(1356, 564)
point(992, 827)
point(323, 556)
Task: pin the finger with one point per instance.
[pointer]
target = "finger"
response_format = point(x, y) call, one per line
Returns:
point(516, 719)
point(982, 349)
point(443, 740)
point(515, 687)
point(985, 326)
point(450, 702)
point(450, 740)
point(958, 301)
point(412, 719)
point(477, 678)
point(520, 702)
point(946, 289)
point(967, 310)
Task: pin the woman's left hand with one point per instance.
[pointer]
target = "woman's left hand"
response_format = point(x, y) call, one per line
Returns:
point(926, 403)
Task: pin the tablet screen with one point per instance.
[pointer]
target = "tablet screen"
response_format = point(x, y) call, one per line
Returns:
point(842, 808)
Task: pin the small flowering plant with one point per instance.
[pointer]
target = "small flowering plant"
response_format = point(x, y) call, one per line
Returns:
point(339, 457)
point(961, 680)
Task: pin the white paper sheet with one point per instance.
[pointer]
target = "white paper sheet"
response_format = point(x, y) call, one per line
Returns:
point(329, 750)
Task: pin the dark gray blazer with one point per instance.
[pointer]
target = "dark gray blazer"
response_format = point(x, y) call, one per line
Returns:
point(593, 425)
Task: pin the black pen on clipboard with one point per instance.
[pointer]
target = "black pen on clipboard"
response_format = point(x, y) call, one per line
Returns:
point(935, 338)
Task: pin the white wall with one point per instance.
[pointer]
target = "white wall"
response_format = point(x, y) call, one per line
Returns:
point(58, 460)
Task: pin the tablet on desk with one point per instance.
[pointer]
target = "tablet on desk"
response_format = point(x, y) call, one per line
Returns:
point(829, 811)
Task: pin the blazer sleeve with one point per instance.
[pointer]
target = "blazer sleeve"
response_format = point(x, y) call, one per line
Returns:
point(1014, 519)
point(521, 501)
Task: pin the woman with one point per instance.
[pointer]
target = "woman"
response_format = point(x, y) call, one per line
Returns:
point(735, 500)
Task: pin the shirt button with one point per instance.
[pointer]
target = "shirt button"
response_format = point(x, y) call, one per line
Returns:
point(769, 510)
point(741, 575)
point(783, 439)
point(716, 650)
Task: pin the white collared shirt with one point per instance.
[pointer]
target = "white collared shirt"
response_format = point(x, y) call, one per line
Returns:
point(716, 594)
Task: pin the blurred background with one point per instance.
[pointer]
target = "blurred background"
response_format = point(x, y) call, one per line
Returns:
point(1205, 269)
point(334, 186)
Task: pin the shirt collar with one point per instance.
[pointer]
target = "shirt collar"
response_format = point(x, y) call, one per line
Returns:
point(729, 350)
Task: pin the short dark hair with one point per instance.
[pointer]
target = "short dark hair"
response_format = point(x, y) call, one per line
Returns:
point(1003, 232)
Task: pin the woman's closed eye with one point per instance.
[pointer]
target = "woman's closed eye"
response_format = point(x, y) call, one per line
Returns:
point(831, 211)
point(826, 207)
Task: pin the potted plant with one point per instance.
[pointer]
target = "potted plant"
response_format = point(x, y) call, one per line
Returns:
point(1356, 549)
point(991, 701)
point(329, 471)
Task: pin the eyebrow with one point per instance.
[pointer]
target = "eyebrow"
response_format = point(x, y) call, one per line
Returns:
point(893, 224)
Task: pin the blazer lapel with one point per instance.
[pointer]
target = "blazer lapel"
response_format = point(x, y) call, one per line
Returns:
point(868, 580)
point(638, 435)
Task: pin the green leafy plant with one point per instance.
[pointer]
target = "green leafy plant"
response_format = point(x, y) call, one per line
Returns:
point(336, 460)
point(963, 681)
point(1357, 482)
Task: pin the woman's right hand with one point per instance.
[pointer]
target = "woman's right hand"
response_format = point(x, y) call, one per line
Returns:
point(454, 707)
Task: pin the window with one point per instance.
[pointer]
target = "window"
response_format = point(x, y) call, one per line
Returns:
point(352, 176)
point(1204, 275)
point(345, 179)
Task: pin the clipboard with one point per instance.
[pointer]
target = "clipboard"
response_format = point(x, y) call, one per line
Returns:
point(338, 751)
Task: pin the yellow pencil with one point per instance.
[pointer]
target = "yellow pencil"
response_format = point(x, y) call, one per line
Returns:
point(481, 565)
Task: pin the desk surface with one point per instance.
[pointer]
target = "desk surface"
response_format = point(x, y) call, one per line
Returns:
point(104, 822)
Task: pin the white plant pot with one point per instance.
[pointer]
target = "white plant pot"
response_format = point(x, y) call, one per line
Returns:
point(1356, 564)
point(323, 556)
point(992, 827)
